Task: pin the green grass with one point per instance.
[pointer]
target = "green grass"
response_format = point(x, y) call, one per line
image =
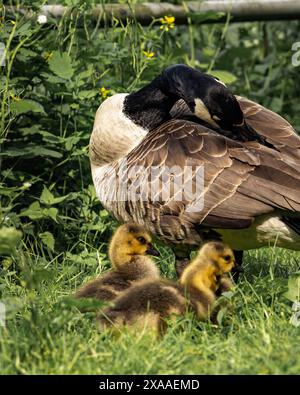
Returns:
point(45, 335)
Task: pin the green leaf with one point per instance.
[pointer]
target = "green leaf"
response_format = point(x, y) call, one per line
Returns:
point(47, 136)
point(31, 151)
point(87, 73)
point(61, 65)
point(9, 239)
point(86, 94)
point(24, 30)
point(52, 213)
point(34, 211)
point(71, 141)
point(25, 105)
point(221, 314)
point(25, 53)
point(46, 196)
point(47, 239)
point(52, 79)
point(224, 76)
point(293, 292)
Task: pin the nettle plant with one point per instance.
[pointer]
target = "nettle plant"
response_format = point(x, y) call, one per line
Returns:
point(55, 77)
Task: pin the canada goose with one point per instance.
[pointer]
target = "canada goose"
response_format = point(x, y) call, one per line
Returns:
point(127, 252)
point(151, 302)
point(146, 166)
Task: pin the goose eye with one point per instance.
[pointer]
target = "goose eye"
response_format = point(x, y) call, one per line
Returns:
point(227, 258)
point(142, 240)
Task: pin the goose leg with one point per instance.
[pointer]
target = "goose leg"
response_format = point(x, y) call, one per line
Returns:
point(238, 265)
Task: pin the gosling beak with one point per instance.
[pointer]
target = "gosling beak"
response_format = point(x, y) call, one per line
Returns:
point(151, 250)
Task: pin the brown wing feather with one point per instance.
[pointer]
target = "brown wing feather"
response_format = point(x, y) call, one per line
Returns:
point(273, 127)
point(241, 181)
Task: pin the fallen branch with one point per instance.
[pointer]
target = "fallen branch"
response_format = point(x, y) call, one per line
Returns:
point(242, 10)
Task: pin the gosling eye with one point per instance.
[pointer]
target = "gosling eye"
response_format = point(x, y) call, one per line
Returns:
point(227, 258)
point(142, 240)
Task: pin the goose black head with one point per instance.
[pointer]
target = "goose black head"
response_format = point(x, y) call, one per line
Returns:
point(209, 100)
point(207, 97)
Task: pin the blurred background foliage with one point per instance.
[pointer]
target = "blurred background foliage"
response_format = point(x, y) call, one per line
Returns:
point(57, 74)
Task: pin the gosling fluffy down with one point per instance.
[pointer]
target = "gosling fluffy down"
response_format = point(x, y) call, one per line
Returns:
point(150, 302)
point(127, 252)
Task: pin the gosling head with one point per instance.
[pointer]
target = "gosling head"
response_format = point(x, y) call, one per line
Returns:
point(130, 240)
point(219, 254)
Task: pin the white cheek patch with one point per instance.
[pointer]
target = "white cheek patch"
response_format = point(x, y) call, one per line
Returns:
point(202, 112)
point(219, 81)
point(239, 124)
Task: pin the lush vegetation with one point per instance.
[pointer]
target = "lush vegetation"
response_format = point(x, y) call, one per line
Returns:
point(53, 232)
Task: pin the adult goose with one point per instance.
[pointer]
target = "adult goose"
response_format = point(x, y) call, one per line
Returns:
point(234, 175)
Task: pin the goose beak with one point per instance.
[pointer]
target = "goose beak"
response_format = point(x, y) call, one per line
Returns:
point(248, 133)
point(151, 250)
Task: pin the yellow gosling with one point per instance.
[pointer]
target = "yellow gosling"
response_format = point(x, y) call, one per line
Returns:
point(162, 299)
point(128, 251)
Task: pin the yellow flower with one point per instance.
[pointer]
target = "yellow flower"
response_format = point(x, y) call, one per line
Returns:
point(149, 55)
point(167, 23)
point(104, 92)
point(48, 55)
point(15, 98)
point(169, 19)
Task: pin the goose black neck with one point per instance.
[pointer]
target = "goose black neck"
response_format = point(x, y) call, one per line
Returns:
point(150, 106)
